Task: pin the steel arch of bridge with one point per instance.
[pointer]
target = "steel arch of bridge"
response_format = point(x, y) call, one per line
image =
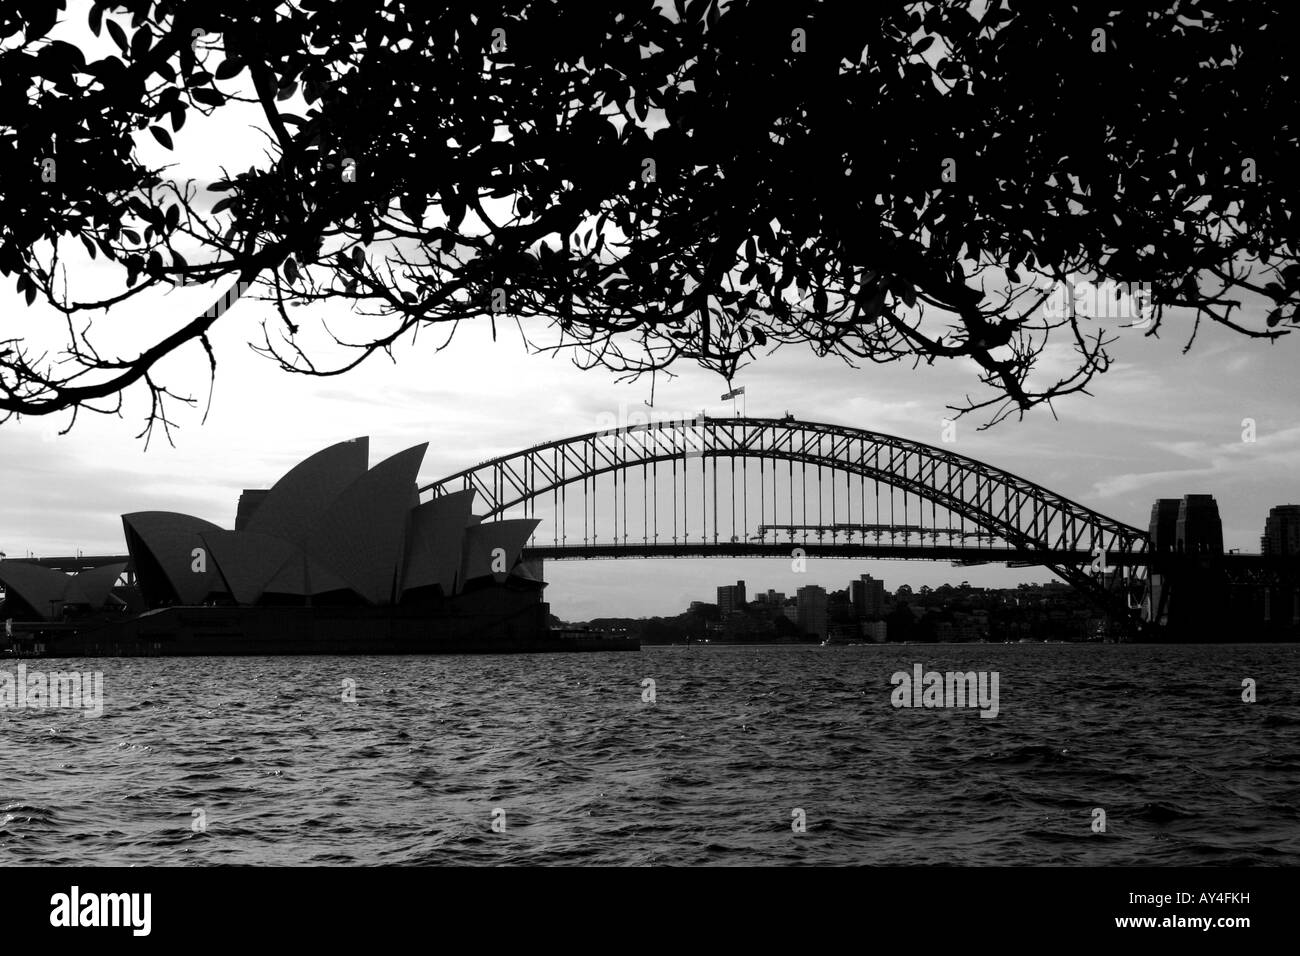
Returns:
point(1031, 519)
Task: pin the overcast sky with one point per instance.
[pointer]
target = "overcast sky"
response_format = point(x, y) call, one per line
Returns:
point(1161, 424)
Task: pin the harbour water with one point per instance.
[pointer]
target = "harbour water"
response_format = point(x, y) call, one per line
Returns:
point(262, 761)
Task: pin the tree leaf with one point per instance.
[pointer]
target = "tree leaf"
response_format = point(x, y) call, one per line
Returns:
point(140, 42)
point(208, 96)
point(118, 34)
point(162, 136)
point(229, 68)
point(413, 204)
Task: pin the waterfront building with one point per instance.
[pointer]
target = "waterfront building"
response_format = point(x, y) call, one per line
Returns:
point(331, 531)
point(1281, 536)
point(335, 557)
point(731, 598)
point(868, 596)
point(813, 607)
point(36, 593)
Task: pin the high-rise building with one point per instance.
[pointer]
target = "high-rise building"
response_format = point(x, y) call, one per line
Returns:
point(1164, 524)
point(868, 596)
point(1200, 531)
point(731, 598)
point(813, 607)
point(1281, 531)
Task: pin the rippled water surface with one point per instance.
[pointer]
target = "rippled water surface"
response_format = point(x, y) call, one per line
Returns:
point(284, 772)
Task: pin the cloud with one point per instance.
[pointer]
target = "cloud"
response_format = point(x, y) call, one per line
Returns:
point(1272, 456)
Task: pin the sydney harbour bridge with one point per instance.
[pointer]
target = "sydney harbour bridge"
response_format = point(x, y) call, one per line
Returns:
point(732, 487)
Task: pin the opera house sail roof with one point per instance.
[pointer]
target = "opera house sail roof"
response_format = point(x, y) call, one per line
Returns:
point(36, 593)
point(331, 531)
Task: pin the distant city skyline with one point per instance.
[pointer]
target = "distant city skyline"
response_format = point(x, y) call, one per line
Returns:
point(761, 592)
point(866, 612)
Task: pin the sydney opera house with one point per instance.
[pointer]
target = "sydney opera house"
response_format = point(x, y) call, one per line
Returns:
point(336, 557)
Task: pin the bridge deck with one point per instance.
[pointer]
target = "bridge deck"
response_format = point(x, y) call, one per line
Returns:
point(750, 549)
point(767, 549)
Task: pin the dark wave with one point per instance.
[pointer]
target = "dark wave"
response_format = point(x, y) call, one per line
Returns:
point(278, 770)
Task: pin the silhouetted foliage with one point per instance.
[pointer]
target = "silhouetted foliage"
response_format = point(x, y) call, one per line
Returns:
point(655, 183)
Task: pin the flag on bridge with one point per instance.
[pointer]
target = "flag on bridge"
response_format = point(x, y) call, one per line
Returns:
point(734, 393)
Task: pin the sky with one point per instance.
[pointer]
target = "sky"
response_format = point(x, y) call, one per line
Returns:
point(1159, 424)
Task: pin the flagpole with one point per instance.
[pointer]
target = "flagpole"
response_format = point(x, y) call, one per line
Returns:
point(733, 394)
